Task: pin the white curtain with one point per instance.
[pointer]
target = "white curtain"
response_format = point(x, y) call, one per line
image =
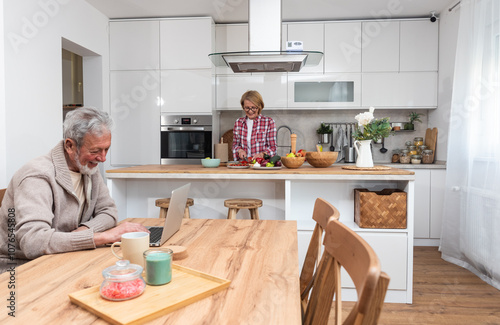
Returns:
point(471, 222)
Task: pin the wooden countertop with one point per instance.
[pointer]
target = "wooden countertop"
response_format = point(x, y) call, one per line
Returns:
point(259, 257)
point(303, 170)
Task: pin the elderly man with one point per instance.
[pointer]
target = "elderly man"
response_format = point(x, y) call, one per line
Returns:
point(58, 202)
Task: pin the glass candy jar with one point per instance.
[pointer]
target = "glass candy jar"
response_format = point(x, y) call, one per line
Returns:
point(404, 156)
point(122, 281)
point(427, 156)
point(421, 149)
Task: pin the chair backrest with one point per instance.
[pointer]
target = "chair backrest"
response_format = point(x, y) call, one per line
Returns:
point(344, 248)
point(322, 213)
point(2, 193)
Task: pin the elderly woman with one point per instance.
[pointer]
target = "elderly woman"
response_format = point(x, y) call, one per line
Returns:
point(253, 135)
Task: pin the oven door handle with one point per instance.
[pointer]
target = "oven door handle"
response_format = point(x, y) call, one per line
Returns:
point(186, 128)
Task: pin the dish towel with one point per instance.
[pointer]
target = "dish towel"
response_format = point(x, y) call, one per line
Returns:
point(341, 143)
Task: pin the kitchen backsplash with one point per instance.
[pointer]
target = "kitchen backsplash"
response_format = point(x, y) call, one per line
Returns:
point(304, 124)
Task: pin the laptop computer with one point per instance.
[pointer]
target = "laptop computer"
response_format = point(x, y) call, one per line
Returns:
point(173, 220)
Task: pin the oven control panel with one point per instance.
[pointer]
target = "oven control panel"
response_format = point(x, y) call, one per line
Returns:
point(168, 119)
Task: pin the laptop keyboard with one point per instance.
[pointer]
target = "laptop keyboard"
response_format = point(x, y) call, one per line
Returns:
point(155, 234)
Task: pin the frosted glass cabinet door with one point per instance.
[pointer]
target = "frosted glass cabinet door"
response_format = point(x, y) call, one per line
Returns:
point(186, 91)
point(136, 114)
point(134, 45)
point(328, 90)
point(343, 47)
point(186, 43)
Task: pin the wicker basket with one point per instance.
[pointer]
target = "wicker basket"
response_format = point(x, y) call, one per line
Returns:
point(380, 209)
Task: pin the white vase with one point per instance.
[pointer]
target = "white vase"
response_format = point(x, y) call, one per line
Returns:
point(363, 149)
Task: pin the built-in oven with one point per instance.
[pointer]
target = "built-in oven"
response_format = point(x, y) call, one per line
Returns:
point(185, 139)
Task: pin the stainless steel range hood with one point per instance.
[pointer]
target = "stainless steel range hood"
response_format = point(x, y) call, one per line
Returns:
point(264, 43)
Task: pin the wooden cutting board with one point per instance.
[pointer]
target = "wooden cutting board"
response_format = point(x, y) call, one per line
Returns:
point(431, 140)
point(186, 287)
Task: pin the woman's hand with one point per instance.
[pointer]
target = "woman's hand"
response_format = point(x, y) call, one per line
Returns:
point(259, 155)
point(242, 154)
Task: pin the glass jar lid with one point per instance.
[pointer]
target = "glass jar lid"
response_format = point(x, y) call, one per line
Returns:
point(412, 147)
point(408, 143)
point(122, 271)
point(416, 156)
point(427, 151)
point(418, 139)
point(405, 151)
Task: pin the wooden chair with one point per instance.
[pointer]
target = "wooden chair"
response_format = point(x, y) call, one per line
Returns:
point(344, 248)
point(163, 204)
point(235, 205)
point(322, 213)
point(2, 193)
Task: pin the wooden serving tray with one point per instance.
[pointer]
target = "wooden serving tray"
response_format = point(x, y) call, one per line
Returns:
point(186, 287)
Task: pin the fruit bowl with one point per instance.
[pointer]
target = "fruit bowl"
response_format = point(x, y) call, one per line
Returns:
point(321, 159)
point(210, 163)
point(292, 162)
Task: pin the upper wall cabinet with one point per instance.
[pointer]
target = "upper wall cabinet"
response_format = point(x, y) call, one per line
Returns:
point(186, 43)
point(134, 45)
point(312, 36)
point(272, 87)
point(380, 46)
point(343, 47)
point(418, 46)
point(230, 38)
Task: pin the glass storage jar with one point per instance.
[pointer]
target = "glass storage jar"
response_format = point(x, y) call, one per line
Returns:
point(418, 141)
point(122, 281)
point(416, 159)
point(412, 150)
point(404, 156)
point(427, 156)
point(421, 149)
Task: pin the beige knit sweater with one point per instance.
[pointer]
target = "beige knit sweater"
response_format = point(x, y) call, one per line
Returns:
point(40, 209)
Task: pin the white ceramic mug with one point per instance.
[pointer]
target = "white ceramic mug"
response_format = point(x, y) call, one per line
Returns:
point(133, 245)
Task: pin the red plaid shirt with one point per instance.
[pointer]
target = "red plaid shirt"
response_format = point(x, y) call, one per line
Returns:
point(263, 136)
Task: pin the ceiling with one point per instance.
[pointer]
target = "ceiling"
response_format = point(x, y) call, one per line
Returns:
point(236, 11)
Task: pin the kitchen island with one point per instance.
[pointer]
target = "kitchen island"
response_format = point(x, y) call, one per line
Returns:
point(287, 194)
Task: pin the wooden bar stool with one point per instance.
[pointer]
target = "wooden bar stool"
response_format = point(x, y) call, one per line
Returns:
point(164, 203)
point(235, 205)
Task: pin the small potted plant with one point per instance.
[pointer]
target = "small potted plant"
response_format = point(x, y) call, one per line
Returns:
point(324, 131)
point(414, 117)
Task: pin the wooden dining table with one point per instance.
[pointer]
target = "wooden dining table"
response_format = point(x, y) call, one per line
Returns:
point(259, 257)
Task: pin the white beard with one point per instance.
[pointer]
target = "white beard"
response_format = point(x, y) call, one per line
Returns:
point(85, 170)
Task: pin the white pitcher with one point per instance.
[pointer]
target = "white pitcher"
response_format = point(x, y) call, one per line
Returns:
point(363, 149)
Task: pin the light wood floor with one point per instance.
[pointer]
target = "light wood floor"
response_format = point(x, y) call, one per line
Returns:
point(443, 293)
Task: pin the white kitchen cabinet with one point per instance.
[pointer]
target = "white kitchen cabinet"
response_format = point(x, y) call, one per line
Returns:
point(422, 202)
point(134, 97)
point(400, 90)
point(419, 45)
point(324, 90)
point(437, 192)
point(230, 38)
point(186, 91)
point(185, 43)
point(380, 46)
point(342, 47)
point(134, 45)
point(312, 36)
point(272, 87)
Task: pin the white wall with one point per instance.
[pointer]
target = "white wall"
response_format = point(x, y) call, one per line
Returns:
point(34, 30)
point(448, 32)
point(3, 133)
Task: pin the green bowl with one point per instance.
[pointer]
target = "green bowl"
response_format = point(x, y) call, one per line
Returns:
point(210, 163)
